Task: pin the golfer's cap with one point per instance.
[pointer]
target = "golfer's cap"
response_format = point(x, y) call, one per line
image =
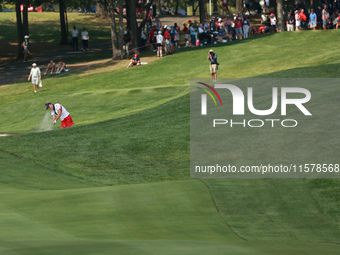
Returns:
point(189, 20)
point(34, 64)
point(136, 55)
point(165, 26)
point(159, 32)
point(211, 51)
point(247, 13)
point(272, 15)
point(26, 37)
point(235, 17)
point(47, 105)
point(219, 19)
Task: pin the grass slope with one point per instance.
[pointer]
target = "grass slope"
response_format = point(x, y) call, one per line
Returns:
point(133, 127)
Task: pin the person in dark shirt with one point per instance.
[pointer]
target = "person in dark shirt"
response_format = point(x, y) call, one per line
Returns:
point(212, 57)
point(135, 61)
point(290, 22)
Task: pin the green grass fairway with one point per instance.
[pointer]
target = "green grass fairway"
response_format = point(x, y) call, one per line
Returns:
point(118, 181)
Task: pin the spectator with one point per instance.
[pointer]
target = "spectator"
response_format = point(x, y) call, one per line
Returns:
point(24, 47)
point(178, 30)
point(290, 22)
point(143, 38)
point(149, 18)
point(61, 66)
point(313, 20)
point(158, 23)
point(297, 21)
point(173, 38)
point(159, 40)
point(273, 22)
point(36, 76)
point(303, 19)
point(139, 10)
point(167, 39)
point(50, 67)
point(238, 27)
point(135, 61)
point(225, 6)
point(192, 35)
point(212, 57)
point(75, 34)
point(59, 112)
point(151, 38)
point(227, 24)
point(263, 29)
point(337, 22)
point(186, 34)
point(325, 16)
point(126, 42)
point(85, 39)
point(246, 25)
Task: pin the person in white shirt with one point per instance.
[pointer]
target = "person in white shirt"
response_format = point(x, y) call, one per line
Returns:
point(36, 76)
point(75, 34)
point(85, 38)
point(159, 41)
point(59, 112)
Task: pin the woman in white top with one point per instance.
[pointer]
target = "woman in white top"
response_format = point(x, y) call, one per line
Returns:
point(85, 39)
point(159, 41)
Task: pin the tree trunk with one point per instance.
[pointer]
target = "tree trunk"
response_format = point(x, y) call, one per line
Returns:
point(120, 31)
point(19, 28)
point(142, 24)
point(101, 10)
point(239, 6)
point(132, 21)
point(25, 17)
point(160, 7)
point(116, 53)
point(193, 8)
point(280, 20)
point(215, 7)
point(64, 39)
point(202, 10)
point(176, 10)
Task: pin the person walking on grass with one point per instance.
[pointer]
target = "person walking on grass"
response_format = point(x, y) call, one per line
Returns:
point(24, 47)
point(212, 57)
point(36, 76)
point(59, 112)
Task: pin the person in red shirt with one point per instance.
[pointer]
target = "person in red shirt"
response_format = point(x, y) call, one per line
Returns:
point(263, 30)
point(303, 19)
point(186, 34)
point(238, 28)
point(151, 37)
point(167, 40)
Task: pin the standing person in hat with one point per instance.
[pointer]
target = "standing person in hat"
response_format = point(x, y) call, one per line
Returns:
point(24, 47)
point(135, 61)
point(75, 34)
point(212, 57)
point(59, 112)
point(273, 22)
point(36, 76)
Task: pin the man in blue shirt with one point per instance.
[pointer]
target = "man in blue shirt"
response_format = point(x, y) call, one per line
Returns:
point(312, 19)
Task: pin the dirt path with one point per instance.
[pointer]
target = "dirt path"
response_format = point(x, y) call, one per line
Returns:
point(18, 71)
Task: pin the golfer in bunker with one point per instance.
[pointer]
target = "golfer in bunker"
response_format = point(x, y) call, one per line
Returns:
point(59, 112)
